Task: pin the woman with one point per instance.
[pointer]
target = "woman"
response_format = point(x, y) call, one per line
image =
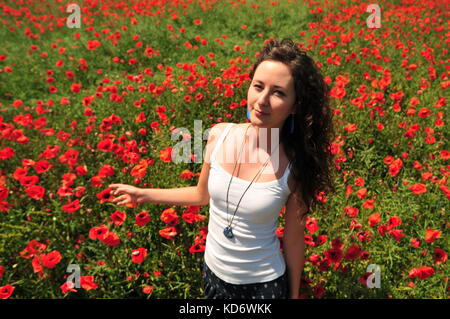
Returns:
point(288, 109)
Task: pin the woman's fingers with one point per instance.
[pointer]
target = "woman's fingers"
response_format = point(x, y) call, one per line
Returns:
point(119, 198)
point(117, 191)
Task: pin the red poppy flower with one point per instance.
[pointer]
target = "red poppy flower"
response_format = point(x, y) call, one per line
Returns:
point(445, 155)
point(67, 286)
point(311, 225)
point(33, 247)
point(315, 259)
point(147, 289)
point(415, 243)
point(333, 255)
point(319, 291)
point(350, 127)
point(382, 229)
point(351, 211)
point(42, 166)
point(166, 155)
point(190, 217)
point(36, 192)
point(98, 232)
point(431, 235)
point(337, 244)
point(359, 181)
point(362, 193)
point(6, 291)
point(388, 160)
point(309, 240)
point(138, 255)
point(170, 217)
point(87, 282)
point(75, 88)
point(279, 232)
point(50, 260)
point(394, 222)
point(364, 277)
point(324, 265)
point(397, 234)
point(395, 167)
point(118, 217)
point(422, 272)
point(320, 240)
point(353, 252)
point(439, 256)
point(142, 218)
point(37, 265)
point(368, 204)
point(197, 248)
point(418, 188)
point(72, 206)
point(374, 219)
point(111, 239)
point(168, 233)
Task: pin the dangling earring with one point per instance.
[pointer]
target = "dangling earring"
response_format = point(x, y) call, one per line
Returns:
point(292, 123)
point(248, 114)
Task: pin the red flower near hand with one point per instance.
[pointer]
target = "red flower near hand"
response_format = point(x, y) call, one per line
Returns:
point(142, 218)
point(118, 217)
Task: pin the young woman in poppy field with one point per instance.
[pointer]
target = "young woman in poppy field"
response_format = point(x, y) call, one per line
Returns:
point(287, 95)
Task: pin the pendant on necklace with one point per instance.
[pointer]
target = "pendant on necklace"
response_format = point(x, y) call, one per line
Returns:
point(228, 232)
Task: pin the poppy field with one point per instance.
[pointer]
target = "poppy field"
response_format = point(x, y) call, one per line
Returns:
point(86, 105)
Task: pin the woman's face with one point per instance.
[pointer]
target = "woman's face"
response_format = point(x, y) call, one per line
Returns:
point(272, 92)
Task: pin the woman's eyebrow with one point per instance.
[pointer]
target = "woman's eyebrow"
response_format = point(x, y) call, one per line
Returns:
point(275, 86)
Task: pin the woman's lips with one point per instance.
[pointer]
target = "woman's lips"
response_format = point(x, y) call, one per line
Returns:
point(259, 113)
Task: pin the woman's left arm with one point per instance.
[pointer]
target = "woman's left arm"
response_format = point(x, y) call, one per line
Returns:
point(294, 244)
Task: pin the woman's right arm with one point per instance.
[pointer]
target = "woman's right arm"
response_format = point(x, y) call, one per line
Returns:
point(183, 196)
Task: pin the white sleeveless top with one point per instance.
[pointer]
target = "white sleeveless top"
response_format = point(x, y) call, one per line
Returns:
point(253, 255)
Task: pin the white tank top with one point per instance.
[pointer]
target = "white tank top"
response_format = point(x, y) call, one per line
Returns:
point(253, 255)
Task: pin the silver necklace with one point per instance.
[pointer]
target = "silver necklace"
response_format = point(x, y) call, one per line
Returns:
point(228, 231)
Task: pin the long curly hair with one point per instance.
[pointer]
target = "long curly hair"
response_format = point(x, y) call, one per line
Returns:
point(308, 147)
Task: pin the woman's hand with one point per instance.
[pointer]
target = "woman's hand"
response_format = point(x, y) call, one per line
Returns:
point(130, 194)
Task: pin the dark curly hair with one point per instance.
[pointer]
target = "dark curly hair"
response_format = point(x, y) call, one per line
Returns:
point(308, 147)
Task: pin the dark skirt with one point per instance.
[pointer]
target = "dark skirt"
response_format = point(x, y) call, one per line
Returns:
point(216, 288)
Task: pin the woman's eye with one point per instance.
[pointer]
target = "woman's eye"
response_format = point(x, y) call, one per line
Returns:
point(259, 86)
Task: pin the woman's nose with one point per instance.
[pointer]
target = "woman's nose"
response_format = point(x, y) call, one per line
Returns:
point(263, 98)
